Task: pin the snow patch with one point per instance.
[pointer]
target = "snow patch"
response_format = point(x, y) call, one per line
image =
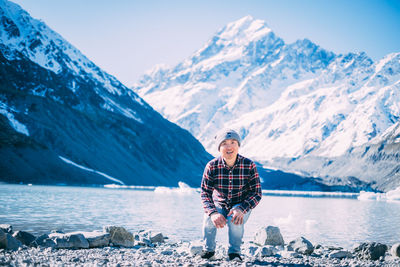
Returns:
point(19, 127)
point(91, 170)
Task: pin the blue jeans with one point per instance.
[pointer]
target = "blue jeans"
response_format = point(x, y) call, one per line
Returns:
point(235, 232)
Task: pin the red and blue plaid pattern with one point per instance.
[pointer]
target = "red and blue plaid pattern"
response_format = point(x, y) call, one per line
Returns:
point(239, 185)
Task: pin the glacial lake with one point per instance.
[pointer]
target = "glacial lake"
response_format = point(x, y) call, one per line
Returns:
point(336, 221)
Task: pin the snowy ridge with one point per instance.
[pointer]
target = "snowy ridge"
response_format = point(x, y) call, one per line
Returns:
point(286, 100)
point(34, 39)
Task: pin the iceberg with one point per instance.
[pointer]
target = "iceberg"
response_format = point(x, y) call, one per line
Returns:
point(183, 189)
point(392, 195)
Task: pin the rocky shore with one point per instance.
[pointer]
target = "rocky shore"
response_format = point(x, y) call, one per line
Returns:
point(115, 246)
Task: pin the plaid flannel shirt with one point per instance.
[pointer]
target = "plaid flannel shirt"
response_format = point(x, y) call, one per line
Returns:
point(238, 185)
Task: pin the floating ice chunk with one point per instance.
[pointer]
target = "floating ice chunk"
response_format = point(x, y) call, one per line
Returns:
point(369, 196)
point(393, 195)
point(283, 220)
point(183, 189)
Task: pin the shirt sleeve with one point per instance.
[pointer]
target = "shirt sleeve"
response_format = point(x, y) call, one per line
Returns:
point(255, 193)
point(207, 188)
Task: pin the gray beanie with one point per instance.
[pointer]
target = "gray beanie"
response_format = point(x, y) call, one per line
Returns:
point(226, 134)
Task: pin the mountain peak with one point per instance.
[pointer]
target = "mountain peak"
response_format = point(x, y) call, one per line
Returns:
point(246, 28)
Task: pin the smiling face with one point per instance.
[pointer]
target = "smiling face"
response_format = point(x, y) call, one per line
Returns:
point(229, 149)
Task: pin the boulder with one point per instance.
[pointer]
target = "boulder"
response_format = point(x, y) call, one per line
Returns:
point(6, 228)
point(395, 250)
point(7, 241)
point(43, 241)
point(370, 251)
point(341, 254)
point(301, 245)
point(269, 236)
point(24, 237)
point(69, 240)
point(119, 236)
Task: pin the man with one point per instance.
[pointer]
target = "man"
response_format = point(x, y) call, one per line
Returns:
point(234, 181)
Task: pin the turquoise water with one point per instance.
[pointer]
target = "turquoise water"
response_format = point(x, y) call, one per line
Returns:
point(329, 221)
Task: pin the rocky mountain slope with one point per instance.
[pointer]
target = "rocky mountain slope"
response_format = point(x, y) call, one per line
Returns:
point(64, 120)
point(290, 102)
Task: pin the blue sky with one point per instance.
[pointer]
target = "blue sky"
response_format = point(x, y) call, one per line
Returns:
point(128, 37)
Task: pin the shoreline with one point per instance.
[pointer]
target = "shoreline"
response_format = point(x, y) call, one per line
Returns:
point(115, 246)
point(174, 254)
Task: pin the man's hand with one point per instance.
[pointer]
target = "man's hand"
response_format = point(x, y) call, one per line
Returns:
point(218, 220)
point(237, 217)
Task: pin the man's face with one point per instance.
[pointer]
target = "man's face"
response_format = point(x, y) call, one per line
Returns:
point(229, 149)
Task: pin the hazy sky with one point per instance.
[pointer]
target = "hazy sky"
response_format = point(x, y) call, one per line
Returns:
point(128, 37)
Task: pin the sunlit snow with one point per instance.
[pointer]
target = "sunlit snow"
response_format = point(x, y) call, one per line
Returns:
point(91, 170)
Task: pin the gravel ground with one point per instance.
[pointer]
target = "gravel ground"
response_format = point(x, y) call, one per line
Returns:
point(168, 254)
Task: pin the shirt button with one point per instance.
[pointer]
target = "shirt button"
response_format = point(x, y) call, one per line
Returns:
point(230, 181)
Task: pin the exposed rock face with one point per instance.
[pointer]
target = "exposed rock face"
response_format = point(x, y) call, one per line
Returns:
point(272, 92)
point(64, 120)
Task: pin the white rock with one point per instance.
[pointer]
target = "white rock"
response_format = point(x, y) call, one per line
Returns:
point(395, 250)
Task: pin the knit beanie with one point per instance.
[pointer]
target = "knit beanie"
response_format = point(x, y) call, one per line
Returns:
point(226, 134)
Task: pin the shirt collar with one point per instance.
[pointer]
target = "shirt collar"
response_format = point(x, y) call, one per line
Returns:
point(222, 161)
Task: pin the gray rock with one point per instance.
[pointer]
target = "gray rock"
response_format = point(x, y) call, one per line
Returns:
point(267, 251)
point(24, 237)
point(69, 240)
point(269, 236)
point(301, 245)
point(167, 252)
point(341, 254)
point(97, 239)
point(370, 251)
point(6, 228)
point(119, 236)
point(157, 238)
point(195, 249)
point(395, 250)
point(43, 241)
point(7, 241)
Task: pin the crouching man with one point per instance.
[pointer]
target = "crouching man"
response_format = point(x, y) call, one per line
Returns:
point(230, 189)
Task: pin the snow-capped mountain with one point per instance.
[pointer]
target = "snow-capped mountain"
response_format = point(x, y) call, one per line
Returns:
point(64, 120)
point(288, 101)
